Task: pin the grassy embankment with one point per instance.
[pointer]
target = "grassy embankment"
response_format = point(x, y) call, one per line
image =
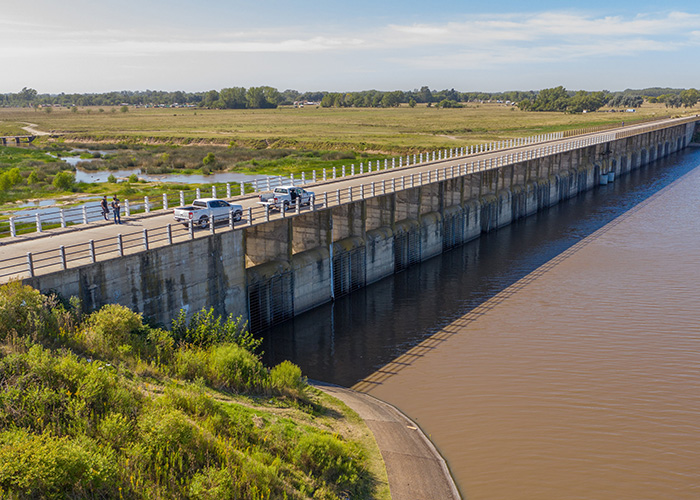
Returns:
point(104, 406)
point(273, 142)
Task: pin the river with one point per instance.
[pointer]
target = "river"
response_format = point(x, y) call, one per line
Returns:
point(555, 358)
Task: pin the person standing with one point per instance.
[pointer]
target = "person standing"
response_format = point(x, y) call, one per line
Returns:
point(116, 208)
point(105, 207)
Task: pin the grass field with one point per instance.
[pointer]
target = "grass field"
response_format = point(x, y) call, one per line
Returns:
point(271, 142)
point(383, 130)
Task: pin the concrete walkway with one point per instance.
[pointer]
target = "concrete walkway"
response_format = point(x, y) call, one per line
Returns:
point(415, 468)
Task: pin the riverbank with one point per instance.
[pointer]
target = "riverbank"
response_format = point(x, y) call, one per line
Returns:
point(415, 468)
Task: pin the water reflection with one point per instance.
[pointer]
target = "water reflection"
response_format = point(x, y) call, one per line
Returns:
point(345, 341)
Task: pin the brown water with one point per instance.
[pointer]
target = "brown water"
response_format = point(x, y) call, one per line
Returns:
point(558, 358)
point(583, 381)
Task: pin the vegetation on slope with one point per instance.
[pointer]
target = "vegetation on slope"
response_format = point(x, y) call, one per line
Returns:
point(102, 405)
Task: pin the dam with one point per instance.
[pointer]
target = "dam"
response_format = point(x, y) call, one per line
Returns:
point(275, 266)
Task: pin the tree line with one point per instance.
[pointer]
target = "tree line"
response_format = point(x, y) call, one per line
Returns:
point(551, 99)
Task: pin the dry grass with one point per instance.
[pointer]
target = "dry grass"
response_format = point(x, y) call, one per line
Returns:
point(389, 130)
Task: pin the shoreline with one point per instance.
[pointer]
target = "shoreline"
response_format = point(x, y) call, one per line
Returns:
point(415, 468)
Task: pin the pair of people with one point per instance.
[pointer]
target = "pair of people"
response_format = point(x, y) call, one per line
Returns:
point(116, 209)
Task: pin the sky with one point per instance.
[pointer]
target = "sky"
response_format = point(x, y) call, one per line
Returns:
point(325, 45)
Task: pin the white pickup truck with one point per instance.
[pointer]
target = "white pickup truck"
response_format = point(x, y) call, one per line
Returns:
point(203, 210)
point(286, 197)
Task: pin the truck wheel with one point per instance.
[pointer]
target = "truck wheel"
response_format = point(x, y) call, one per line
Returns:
point(204, 222)
point(237, 216)
point(286, 206)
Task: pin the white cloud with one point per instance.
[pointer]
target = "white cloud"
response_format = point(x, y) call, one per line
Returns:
point(499, 43)
point(493, 33)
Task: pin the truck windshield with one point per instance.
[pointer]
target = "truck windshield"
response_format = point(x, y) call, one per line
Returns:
point(200, 204)
point(281, 190)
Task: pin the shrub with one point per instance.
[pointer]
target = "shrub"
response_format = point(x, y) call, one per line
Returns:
point(64, 181)
point(60, 393)
point(25, 312)
point(170, 445)
point(116, 430)
point(205, 329)
point(233, 368)
point(209, 159)
point(160, 346)
point(45, 466)
point(191, 363)
point(286, 380)
point(111, 330)
point(327, 457)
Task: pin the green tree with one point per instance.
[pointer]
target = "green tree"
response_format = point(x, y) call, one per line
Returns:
point(554, 99)
point(689, 97)
point(27, 95)
point(233, 98)
point(585, 101)
point(262, 97)
point(425, 95)
point(412, 102)
point(210, 98)
point(392, 99)
point(64, 181)
point(124, 109)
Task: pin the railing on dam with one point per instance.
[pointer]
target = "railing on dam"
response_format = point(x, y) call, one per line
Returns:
point(47, 218)
point(94, 250)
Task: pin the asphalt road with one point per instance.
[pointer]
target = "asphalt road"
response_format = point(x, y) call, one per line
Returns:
point(45, 246)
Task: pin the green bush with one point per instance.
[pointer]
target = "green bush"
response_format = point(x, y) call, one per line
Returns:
point(191, 363)
point(205, 328)
point(112, 331)
point(25, 312)
point(170, 444)
point(234, 369)
point(60, 393)
point(286, 380)
point(327, 457)
point(46, 466)
point(64, 181)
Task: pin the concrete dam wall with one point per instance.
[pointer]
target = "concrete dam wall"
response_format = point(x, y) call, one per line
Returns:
point(270, 272)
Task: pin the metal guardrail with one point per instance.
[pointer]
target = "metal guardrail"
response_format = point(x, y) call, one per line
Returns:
point(63, 258)
point(43, 219)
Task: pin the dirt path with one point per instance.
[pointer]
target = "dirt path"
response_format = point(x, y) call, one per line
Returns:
point(32, 130)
